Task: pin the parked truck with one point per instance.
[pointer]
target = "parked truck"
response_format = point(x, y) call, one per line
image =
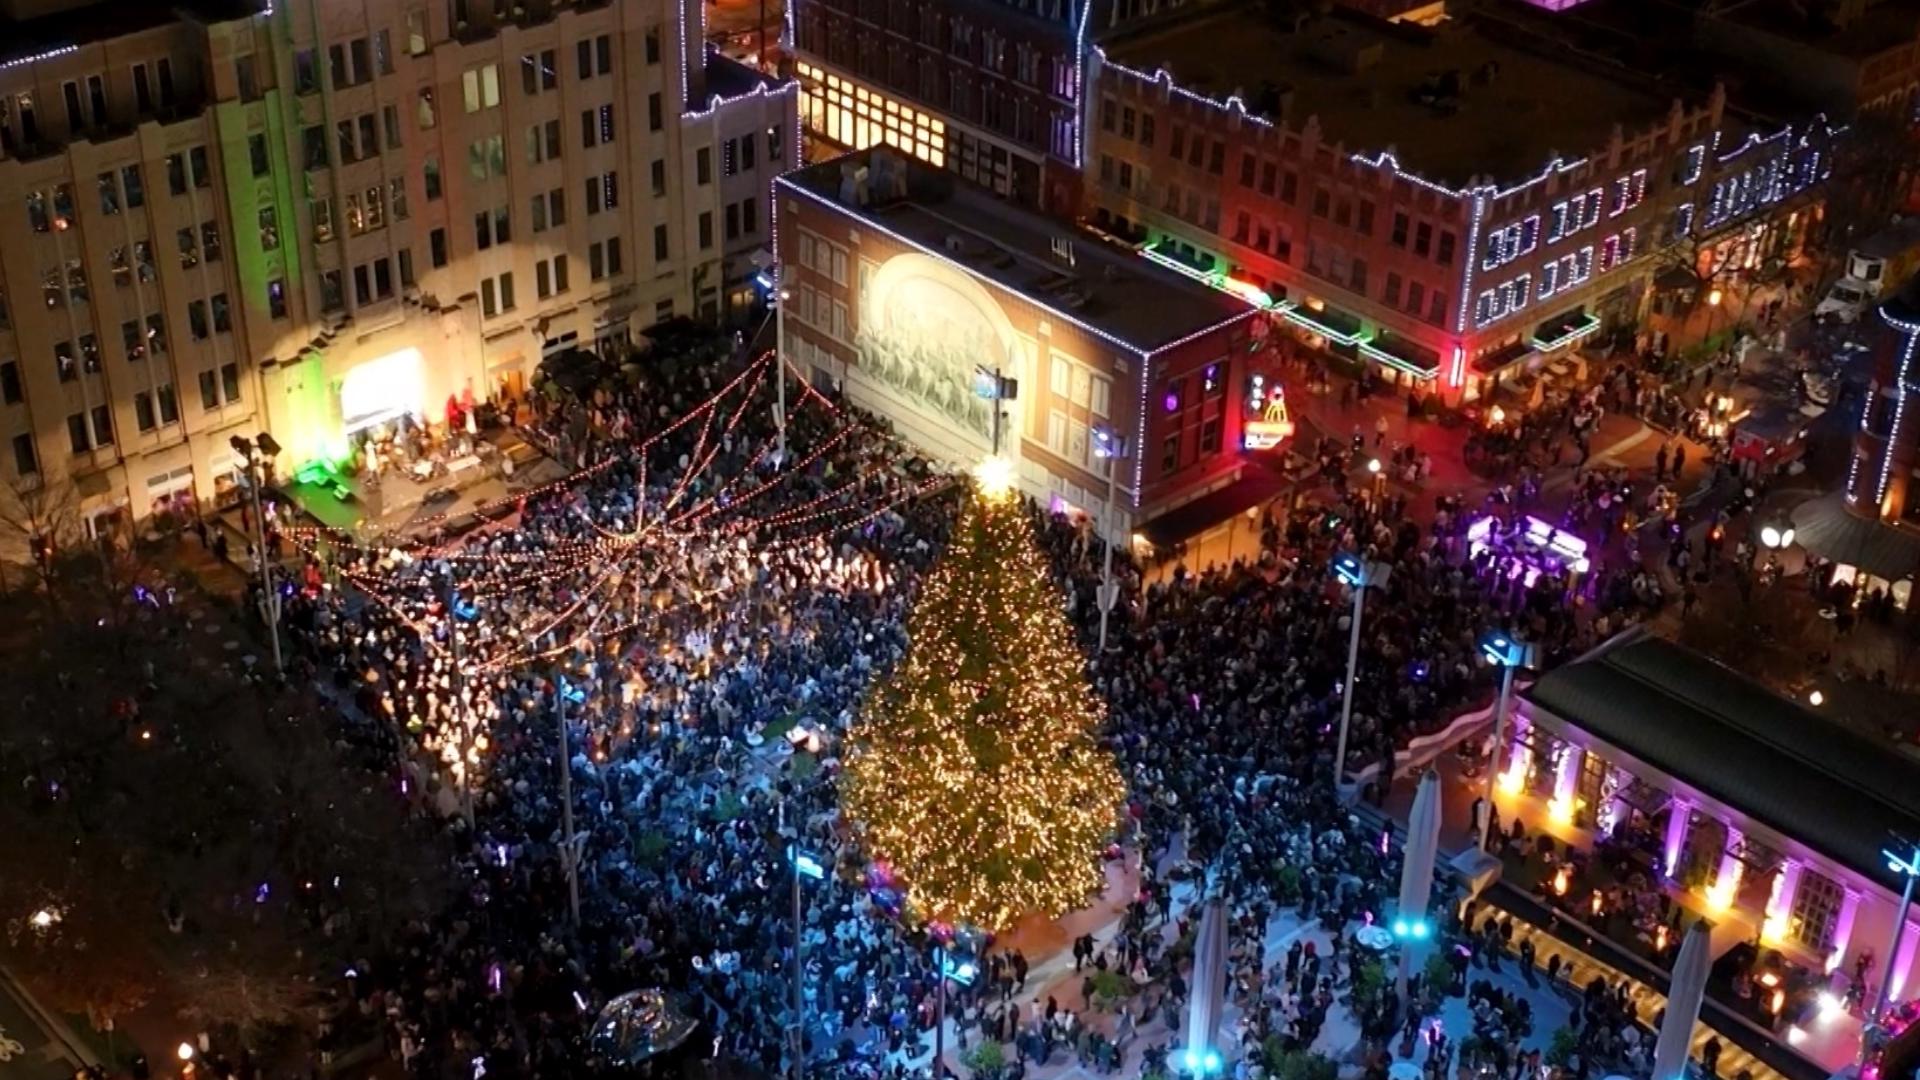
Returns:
point(1880, 262)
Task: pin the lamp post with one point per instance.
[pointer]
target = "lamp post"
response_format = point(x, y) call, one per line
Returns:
point(962, 973)
point(989, 383)
point(1510, 654)
point(1112, 447)
point(1357, 574)
point(805, 865)
point(779, 302)
point(1903, 858)
point(570, 850)
point(255, 454)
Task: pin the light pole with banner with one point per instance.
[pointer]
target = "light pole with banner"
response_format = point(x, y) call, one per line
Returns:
point(1359, 575)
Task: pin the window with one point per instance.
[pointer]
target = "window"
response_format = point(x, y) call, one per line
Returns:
point(230, 381)
point(25, 461)
point(480, 87)
point(653, 45)
point(156, 335)
point(169, 407)
point(416, 32)
point(1817, 902)
point(11, 391)
point(277, 298)
point(654, 119)
point(143, 417)
point(660, 253)
point(314, 146)
point(658, 174)
point(424, 113)
point(306, 76)
point(109, 193)
point(189, 244)
point(132, 187)
point(487, 157)
point(102, 426)
point(202, 172)
point(210, 240)
point(430, 176)
point(706, 229)
point(1422, 238)
point(405, 259)
point(397, 198)
point(197, 320)
point(1170, 453)
point(1445, 252)
point(177, 166)
point(746, 152)
point(390, 121)
point(209, 391)
point(257, 155)
point(222, 314)
point(77, 436)
point(437, 248)
point(703, 165)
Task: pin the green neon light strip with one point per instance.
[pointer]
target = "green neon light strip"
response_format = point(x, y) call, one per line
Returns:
point(1304, 317)
point(1217, 280)
point(1587, 325)
point(1393, 361)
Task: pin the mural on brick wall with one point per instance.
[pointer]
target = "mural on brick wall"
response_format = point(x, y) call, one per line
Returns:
point(924, 327)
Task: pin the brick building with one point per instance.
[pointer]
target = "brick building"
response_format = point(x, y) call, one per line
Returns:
point(901, 279)
point(989, 90)
point(1454, 204)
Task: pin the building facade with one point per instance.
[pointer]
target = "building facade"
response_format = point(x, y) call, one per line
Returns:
point(902, 282)
point(990, 91)
point(311, 217)
point(1443, 274)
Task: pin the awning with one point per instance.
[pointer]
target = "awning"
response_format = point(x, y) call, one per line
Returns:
point(1331, 323)
point(1825, 527)
point(1399, 351)
point(1502, 358)
point(1564, 329)
point(1255, 486)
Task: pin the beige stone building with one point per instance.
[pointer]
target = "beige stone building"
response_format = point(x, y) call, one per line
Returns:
point(309, 216)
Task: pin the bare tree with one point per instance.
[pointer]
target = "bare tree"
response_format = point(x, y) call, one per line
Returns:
point(39, 519)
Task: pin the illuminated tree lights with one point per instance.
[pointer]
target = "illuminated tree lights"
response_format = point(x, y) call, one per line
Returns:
point(974, 770)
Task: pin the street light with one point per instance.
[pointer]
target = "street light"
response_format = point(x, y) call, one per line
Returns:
point(1357, 574)
point(805, 865)
point(1903, 859)
point(256, 456)
point(1110, 446)
point(1510, 654)
point(1777, 535)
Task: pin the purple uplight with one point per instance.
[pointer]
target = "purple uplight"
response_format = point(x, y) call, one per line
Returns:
point(1172, 401)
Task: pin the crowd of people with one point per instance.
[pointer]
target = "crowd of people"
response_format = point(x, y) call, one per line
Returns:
point(697, 611)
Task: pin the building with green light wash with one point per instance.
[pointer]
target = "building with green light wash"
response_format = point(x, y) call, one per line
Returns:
point(312, 216)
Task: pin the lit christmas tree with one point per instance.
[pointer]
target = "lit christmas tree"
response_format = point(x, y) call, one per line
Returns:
point(974, 771)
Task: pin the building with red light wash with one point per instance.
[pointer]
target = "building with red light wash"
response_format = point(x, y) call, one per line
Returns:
point(1454, 205)
point(903, 280)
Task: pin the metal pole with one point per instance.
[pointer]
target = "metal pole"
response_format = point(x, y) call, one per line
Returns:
point(1893, 957)
point(269, 600)
point(1499, 739)
point(799, 959)
point(1346, 693)
point(999, 385)
point(780, 378)
point(1107, 596)
point(460, 707)
point(570, 858)
point(940, 1012)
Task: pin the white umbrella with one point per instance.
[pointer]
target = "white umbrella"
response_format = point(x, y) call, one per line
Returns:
point(1688, 987)
point(1416, 873)
point(1208, 994)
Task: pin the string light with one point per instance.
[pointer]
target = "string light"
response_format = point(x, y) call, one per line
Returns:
point(974, 768)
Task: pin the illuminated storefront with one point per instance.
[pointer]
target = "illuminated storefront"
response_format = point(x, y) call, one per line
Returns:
point(847, 113)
